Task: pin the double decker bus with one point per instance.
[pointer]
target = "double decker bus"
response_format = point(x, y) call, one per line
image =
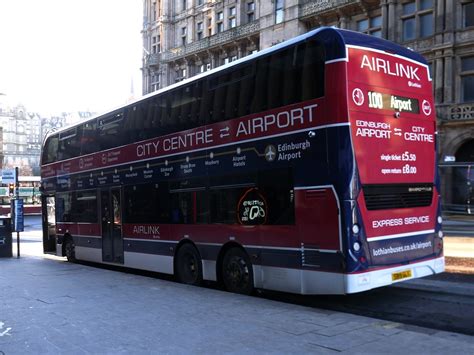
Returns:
point(29, 191)
point(308, 167)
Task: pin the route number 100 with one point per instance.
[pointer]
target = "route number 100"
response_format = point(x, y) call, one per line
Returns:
point(375, 99)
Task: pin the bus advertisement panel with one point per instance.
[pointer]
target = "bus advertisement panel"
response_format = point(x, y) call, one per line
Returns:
point(393, 127)
point(278, 171)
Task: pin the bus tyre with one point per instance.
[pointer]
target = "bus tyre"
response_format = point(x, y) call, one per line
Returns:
point(237, 272)
point(70, 250)
point(188, 265)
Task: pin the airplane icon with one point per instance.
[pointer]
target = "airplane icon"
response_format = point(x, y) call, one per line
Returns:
point(270, 153)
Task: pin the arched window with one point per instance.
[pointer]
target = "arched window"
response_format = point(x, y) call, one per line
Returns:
point(465, 152)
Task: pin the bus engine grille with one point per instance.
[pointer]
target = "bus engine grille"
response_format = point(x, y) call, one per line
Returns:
point(383, 197)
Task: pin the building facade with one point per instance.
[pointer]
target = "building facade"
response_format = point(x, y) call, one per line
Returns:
point(22, 134)
point(21, 147)
point(185, 37)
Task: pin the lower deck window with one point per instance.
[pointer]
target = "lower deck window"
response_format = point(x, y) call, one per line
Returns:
point(77, 206)
point(261, 198)
point(212, 200)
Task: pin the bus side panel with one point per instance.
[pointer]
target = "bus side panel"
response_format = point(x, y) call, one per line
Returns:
point(336, 109)
point(318, 219)
point(87, 239)
point(89, 229)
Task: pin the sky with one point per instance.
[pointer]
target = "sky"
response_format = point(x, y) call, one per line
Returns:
point(64, 55)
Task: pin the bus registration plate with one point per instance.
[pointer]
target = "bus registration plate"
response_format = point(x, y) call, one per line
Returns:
point(401, 275)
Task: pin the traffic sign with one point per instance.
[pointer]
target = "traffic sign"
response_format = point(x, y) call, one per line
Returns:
point(18, 216)
point(8, 176)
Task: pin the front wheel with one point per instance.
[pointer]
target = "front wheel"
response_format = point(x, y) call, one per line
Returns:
point(237, 272)
point(70, 250)
point(188, 265)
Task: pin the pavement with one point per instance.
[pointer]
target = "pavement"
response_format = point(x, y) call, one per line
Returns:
point(50, 306)
point(459, 236)
point(459, 247)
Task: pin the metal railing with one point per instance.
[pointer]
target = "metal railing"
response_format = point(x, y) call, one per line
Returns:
point(461, 112)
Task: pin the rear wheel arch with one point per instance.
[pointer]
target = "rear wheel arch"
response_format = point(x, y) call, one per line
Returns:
point(220, 258)
point(190, 269)
point(235, 269)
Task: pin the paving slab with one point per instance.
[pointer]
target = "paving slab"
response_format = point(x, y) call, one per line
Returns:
point(49, 306)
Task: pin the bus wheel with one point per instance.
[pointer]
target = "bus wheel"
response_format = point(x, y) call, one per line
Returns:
point(70, 250)
point(237, 272)
point(189, 265)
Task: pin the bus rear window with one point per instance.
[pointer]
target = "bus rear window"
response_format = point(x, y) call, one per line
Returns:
point(50, 150)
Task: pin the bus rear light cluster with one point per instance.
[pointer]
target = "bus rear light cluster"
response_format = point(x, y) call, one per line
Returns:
point(355, 229)
point(362, 259)
point(356, 246)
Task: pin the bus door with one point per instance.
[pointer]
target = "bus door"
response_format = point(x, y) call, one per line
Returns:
point(111, 220)
point(48, 204)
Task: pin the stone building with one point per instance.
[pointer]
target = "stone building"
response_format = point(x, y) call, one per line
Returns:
point(15, 124)
point(185, 37)
point(22, 134)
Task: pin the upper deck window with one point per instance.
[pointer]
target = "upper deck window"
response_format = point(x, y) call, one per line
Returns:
point(291, 75)
point(89, 142)
point(50, 150)
point(110, 131)
point(69, 144)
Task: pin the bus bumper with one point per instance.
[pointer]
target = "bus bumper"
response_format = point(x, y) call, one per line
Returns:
point(383, 277)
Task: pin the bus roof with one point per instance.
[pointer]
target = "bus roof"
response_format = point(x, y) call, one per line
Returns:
point(334, 39)
point(363, 40)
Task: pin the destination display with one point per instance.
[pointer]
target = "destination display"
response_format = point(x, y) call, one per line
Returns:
point(383, 101)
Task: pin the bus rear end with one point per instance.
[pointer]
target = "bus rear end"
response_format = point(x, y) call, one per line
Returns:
point(395, 232)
